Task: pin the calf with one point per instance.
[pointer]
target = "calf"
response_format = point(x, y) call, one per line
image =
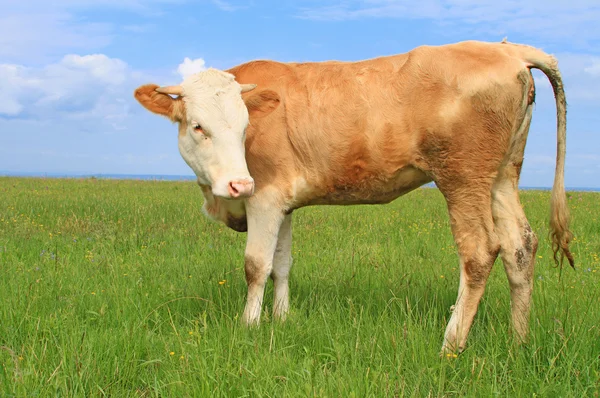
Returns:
point(265, 138)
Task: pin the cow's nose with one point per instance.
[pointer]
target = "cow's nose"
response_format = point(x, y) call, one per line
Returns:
point(242, 188)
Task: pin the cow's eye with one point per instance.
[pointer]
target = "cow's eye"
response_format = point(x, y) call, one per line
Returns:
point(198, 128)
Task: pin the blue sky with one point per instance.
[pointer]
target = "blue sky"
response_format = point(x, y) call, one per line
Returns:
point(68, 70)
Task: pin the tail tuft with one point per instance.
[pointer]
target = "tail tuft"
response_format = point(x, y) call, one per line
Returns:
point(559, 229)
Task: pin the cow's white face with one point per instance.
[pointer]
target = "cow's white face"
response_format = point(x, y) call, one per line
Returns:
point(212, 121)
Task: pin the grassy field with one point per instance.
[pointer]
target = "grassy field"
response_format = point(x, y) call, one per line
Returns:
point(123, 288)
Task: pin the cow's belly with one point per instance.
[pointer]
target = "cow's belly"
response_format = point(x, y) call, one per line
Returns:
point(373, 189)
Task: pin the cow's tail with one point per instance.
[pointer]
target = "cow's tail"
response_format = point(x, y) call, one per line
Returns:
point(559, 212)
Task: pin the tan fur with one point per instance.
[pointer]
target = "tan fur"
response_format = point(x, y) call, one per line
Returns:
point(371, 131)
point(262, 103)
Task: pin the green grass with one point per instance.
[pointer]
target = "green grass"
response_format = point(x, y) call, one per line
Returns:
point(111, 288)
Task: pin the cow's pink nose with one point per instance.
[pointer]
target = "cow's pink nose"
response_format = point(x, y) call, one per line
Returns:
point(241, 188)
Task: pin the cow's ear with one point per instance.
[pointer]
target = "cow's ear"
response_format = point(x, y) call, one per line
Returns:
point(159, 103)
point(262, 103)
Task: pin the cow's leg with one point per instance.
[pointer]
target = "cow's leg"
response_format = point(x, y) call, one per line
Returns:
point(518, 245)
point(264, 222)
point(518, 242)
point(473, 229)
point(282, 262)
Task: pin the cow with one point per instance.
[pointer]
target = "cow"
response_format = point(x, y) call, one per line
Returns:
point(265, 138)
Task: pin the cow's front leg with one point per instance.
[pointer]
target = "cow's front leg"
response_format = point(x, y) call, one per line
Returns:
point(264, 222)
point(282, 262)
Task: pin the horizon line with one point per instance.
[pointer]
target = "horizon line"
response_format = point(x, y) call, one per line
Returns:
point(191, 177)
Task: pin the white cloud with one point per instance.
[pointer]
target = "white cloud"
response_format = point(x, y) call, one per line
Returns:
point(10, 107)
point(188, 67)
point(90, 86)
point(107, 70)
point(12, 81)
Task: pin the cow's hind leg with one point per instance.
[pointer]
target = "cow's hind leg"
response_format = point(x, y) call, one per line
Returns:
point(518, 247)
point(473, 229)
point(518, 242)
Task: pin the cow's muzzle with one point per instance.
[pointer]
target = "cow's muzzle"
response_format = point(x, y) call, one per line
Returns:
point(241, 188)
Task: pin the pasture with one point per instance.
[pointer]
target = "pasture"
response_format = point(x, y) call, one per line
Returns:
point(123, 288)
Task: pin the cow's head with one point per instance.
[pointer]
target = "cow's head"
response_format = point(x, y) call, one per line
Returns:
point(212, 121)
